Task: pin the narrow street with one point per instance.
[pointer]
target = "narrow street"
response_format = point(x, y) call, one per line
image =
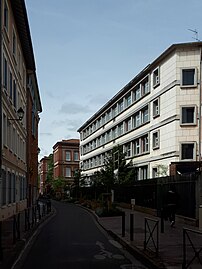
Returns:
point(73, 239)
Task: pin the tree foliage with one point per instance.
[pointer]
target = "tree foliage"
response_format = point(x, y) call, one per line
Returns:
point(58, 184)
point(50, 168)
point(116, 170)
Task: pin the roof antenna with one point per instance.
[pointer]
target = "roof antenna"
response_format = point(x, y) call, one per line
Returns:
point(195, 34)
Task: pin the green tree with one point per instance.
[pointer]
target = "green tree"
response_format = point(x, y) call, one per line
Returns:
point(49, 178)
point(116, 171)
point(162, 170)
point(58, 184)
point(50, 168)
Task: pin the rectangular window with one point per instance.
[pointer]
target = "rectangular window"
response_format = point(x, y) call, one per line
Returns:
point(143, 172)
point(128, 125)
point(188, 115)
point(156, 108)
point(145, 86)
point(121, 106)
point(127, 149)
point(14, 94)
point(13, 198)
point(137, 147)
point(5, 73)
point(156, 77)
point(141, 145)
point(68, 156)
point(188, 77)
point(137, 120)
point(76, 156)
point(114, 111)
point(110, 135)
point(114, 132)
point(4, 130)
point(9, 134)
point(67, 172)
point(137, 93)
point(128, 100)
point(9, 188)
point(155, 140)
point(120, 129)
point(11, 86)
point(188, 151)
point(14, 44)
point(144, 144)
point(6, 15)
point(103, 119)
point(4, 190)
point(145, 114)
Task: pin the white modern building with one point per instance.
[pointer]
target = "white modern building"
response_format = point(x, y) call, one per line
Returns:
point(156, 117)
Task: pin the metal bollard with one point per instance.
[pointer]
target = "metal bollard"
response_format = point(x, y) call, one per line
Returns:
point(131, 227)
point(123, 224)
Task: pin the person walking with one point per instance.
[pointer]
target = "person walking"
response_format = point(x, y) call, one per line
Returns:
point(172, 202)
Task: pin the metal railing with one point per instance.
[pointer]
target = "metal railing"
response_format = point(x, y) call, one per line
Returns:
point(188, 242)
point(152, 235)
point(22, 222)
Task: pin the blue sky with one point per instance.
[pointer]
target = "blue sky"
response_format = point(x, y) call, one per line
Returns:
point(87, 50)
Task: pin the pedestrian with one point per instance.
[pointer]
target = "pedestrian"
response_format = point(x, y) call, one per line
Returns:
point(172, 202)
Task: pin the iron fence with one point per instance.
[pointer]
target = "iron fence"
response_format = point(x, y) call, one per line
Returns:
point(12, 229)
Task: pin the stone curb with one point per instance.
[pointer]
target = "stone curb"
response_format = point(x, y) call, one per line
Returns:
point(21, 244)
point(152, 263)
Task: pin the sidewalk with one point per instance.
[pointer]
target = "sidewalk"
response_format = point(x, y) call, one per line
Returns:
point(12, 250)
point(170, 253)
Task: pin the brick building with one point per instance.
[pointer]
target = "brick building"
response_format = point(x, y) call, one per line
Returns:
point(43, 171)
point(66, 159)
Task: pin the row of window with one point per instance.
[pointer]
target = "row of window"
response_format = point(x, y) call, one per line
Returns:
point(68, 156)
point(13, 140)
point(10, 85)
point(188, 116)
point(16, 51)
point(133, 148)
point(139, 91)
point(141, 146)
point(9, 188)
point(188, 79)
point(68, 172)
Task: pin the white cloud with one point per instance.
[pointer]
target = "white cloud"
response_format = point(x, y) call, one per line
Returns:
point(73, 108)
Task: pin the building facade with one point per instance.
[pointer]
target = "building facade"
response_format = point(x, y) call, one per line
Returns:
point(156, 117)
point(43, 172)
point(33, 109)
point(17, 69)
point(66, 159)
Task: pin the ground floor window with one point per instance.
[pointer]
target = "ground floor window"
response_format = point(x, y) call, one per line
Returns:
point(141, 172)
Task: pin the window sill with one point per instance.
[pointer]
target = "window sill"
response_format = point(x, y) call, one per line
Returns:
point(188, 86)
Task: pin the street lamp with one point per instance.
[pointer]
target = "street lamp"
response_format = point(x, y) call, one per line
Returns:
point(20, 113)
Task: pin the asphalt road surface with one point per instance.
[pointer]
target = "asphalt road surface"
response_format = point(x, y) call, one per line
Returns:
point(72, 239)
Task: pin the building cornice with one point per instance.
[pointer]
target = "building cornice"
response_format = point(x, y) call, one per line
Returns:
point(21, 19)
